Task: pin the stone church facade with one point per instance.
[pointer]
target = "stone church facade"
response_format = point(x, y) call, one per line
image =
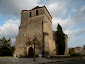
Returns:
point(35, 23)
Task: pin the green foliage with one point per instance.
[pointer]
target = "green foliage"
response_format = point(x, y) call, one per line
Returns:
point(72, 51)
point(5, 47)
point(60, 40)
point(76, 55)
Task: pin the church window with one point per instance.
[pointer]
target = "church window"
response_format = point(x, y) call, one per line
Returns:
point(36, 12)
point(30, 14)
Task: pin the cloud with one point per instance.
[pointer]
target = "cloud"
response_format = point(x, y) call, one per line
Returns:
point(57, 9)
point(76, 38)
point(73, 33)
point(14, 7)
point(10, 29)
point(65, 23)
point(79, 16)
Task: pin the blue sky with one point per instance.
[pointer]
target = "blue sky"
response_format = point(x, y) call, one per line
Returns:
point(70, 14)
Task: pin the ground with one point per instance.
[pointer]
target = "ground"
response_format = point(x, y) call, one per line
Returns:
point(12, 60)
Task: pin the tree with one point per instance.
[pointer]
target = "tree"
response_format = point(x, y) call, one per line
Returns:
point(5, 42)
point(5, 47)
point(60, 40)
point(34, 42)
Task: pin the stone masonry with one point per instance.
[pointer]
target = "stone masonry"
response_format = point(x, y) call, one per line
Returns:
point(35, 23)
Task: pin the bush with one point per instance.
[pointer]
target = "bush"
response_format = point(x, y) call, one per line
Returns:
point(76, 54)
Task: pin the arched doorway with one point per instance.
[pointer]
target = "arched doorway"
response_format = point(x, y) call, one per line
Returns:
point(30, 52)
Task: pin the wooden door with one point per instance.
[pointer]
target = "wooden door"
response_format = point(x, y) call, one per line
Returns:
point(30, 52)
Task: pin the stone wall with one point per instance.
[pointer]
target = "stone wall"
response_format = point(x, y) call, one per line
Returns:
point(31, 27)
point(49, 42)
point(66, 46)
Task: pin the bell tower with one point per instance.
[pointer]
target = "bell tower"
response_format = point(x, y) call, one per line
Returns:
point(35, 23)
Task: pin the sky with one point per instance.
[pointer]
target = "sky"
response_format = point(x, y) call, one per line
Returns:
point(70, 14)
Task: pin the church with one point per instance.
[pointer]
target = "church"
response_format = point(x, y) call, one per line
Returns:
point(35, 24)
